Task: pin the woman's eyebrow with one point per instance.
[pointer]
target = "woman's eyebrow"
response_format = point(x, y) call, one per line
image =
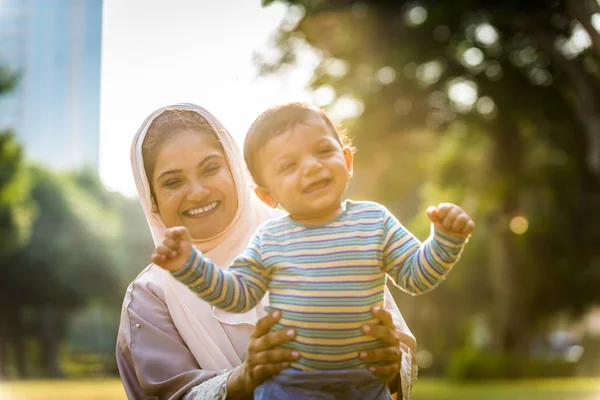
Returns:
point(177, 171)
point(169, 172)
point(207, 159)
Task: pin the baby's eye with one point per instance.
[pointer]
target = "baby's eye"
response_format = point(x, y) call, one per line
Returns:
point(287, 167)
point(325, 150)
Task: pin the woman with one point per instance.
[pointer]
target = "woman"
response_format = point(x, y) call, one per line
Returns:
point(171, 344)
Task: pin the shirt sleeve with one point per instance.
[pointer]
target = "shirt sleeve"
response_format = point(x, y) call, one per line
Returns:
point(237, 289)
point(414, 266)
point(153, 360)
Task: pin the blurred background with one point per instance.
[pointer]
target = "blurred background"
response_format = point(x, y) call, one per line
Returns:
point(493, 105)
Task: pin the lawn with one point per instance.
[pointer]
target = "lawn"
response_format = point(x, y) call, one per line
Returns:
point(103, 389)
point(558, 389)
point(110, 389)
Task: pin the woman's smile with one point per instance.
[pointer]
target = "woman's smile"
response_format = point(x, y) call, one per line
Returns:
point(202, 211)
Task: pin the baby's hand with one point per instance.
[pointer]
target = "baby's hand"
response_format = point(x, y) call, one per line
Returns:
point(175, 249)
point(450, 219)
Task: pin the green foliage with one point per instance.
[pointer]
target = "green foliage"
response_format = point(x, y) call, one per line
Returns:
point(471, 364)
point(67, 259)
point(63, 289)
point(8, 79)
point(16, 209)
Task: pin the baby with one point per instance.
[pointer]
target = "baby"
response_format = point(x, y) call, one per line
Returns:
point(325, 263)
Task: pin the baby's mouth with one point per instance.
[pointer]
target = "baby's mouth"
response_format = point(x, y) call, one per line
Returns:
point(320, 184)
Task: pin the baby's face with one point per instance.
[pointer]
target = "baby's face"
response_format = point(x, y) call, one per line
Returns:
point(306, 170)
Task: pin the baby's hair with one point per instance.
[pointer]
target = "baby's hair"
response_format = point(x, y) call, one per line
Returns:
point(277, 120)
point(169, 123)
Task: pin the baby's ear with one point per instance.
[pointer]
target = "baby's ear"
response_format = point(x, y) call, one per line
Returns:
point(349, 159)
point(265, 196)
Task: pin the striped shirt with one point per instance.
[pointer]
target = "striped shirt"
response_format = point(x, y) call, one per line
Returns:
point(324, 279)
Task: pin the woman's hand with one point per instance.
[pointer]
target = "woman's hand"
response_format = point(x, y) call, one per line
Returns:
point(264, 358)
point(390, 355)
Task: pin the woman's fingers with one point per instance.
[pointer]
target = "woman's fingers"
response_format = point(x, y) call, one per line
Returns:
point(386, 371)
point(262, 372)
point(262, 339)
point(271, 339)
point(383, 333)
point(264, 324)
point(383, 316)
point(273, 356)
point(390, 353)
point(265, 358)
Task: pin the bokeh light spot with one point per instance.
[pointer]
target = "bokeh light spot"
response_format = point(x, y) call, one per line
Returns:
point(386, 75)
point(519, 225)
point(416, 16)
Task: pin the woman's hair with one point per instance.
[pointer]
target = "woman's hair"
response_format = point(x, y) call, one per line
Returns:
point(277, 120)
point(163, 128)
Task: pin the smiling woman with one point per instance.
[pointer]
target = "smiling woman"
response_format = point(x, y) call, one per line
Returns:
point(189, 177)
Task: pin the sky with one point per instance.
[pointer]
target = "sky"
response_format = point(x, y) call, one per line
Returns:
point(156, 53)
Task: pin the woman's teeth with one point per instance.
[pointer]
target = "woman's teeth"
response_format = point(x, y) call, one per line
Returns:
point(201, 210)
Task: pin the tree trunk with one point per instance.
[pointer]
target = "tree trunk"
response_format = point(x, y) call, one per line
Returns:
point(16, 336)
point(509, 313)
point(50, 341)
point(3, 356)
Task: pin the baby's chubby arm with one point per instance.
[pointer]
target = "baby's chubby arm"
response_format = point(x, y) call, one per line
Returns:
point(236, 289)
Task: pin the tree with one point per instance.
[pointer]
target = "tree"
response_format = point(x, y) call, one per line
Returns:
point(511, 118)
point(66, 264)
point(16, 209)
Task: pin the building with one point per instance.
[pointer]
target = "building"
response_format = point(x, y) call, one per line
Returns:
point(55, 46)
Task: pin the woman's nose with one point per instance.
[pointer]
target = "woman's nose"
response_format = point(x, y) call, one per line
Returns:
point(198, 191)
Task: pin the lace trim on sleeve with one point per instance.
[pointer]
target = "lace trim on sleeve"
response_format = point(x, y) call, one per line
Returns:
point(408, 375)
point(212, 389)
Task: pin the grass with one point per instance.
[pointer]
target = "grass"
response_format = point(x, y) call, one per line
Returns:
point(426, 389)
point(101, 389)
point(543, 389)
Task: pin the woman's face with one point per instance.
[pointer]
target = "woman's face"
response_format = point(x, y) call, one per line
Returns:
point(193, 185)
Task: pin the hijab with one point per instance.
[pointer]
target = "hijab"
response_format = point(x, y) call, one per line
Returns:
point(199, 323)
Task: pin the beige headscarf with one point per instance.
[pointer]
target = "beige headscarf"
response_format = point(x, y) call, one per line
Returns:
point(199, 323)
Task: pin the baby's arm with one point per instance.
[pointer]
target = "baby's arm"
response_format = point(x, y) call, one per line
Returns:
point(419, 267)
point(237, 289)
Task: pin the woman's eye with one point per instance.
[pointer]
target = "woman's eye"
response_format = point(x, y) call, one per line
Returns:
point(212, 169)
point(171, 183)
point(325, 150)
